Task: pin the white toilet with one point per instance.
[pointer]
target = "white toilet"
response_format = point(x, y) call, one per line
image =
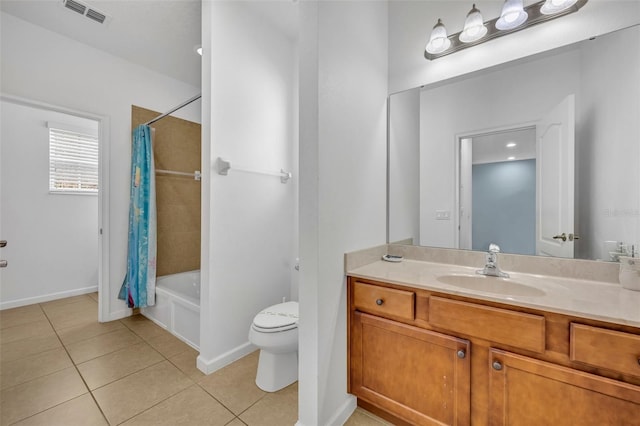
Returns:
point(275, 332)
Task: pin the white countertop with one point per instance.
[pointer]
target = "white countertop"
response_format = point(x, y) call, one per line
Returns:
point(589, 299)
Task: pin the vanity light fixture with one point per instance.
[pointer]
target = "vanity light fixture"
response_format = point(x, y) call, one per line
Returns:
point(474, 28)
point(554, 6)
point(438, 41)
point(514, 17)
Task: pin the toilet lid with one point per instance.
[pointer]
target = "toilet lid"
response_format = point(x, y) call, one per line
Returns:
point(277, 316)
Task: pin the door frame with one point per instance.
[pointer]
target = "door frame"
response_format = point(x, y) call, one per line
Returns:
point(103, 190)
point(458, 138)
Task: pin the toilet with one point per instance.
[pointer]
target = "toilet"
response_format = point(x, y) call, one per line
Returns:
point(275, 331)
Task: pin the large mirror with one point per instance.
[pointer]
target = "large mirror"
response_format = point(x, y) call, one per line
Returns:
point(541, 155)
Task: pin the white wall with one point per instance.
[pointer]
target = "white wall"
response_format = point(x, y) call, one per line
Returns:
point(343, 90)
point(53, 255)
point(404, 166)
point(411, 21)
point(43, 66)
point(250, 231)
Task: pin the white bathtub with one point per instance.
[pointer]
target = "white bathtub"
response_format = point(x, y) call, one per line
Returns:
point(177, 307)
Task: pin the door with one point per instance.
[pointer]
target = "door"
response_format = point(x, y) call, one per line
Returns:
point(420, 376)
point(527, 391)
point(555, 134)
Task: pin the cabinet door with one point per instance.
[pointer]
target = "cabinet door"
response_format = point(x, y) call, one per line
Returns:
point(526, 391)
point(419, 376)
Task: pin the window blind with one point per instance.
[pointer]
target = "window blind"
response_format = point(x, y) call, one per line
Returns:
point(73, 161)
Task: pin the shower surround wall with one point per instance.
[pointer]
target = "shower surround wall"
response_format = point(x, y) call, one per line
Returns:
point(176, 147)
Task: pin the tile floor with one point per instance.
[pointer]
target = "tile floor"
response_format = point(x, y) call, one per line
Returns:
point(60, 367)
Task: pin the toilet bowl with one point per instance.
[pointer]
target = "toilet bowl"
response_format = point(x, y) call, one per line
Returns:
point(275, 331)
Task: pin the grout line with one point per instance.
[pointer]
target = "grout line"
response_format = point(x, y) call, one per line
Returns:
point(75, 366)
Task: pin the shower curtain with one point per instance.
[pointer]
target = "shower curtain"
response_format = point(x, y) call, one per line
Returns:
point(138, 288)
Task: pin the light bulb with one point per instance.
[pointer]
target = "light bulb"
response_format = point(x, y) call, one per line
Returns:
point(438, 41)
point(512, 16)
point(551, 7)
point(474, 28)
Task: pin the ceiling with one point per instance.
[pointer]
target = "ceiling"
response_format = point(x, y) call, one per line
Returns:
point(492, 147)
point(158, 34)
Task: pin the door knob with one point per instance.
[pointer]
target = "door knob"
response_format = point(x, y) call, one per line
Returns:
point(3, 263)
point(562, 237)
point(573, 237)
point(3, 243)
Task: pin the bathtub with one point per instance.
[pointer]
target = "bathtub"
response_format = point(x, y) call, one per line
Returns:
point(177, 307)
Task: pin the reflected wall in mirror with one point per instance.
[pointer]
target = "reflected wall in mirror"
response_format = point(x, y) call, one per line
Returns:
point(429, 127)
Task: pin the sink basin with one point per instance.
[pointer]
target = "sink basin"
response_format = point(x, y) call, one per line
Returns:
point(504, 286)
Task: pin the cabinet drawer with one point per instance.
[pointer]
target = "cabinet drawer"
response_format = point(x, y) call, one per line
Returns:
point(525, 331)
point(599, 347)
point(386, 302)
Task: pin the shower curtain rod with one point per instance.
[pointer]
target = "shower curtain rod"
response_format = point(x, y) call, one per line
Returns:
point(172, 110)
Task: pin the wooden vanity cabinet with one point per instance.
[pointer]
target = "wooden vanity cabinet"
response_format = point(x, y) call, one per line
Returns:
point(425, 358)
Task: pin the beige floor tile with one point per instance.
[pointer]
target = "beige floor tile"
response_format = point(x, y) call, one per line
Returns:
point(94, 296)
point(40, 328)
point(65, 316)
point(186, 362)
point(234, 385)
point(142, 326)
point(140, 391)
point(168, 344)
point(22, 315)
point(192, 406)
point(27, 399)
point(274, 409)
point(362, 417)
point(236, 422)
point(25, 369)
point(28, 347)
point(116, 365)
point(86, 331)
point(101, 345)
point(81, 411)
point(68, 302)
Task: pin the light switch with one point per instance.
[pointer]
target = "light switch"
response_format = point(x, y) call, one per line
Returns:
point(443, 215)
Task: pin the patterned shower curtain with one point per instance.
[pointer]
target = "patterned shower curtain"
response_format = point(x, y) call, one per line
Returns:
point(138, 288)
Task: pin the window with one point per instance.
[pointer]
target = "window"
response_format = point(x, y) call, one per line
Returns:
point(73, 159)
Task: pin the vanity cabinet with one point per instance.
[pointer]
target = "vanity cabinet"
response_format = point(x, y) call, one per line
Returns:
point(423, 358)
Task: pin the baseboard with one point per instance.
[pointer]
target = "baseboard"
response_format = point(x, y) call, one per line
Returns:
point(47, 297)
point(342, 414)
point(122, 313)
point(209, 366)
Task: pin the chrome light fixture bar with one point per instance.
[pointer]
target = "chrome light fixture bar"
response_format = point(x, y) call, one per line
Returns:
point(510, 21)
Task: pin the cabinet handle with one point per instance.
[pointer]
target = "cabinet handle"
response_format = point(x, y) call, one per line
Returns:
point(497, 366)
point(461, 354)
point(379, 302)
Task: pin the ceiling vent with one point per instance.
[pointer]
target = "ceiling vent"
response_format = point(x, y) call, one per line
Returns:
point(85, 10)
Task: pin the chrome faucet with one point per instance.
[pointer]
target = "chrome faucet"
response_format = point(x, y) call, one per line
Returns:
point(491, 266)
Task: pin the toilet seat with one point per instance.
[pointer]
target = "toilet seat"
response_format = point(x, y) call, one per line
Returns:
point(276, 318)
